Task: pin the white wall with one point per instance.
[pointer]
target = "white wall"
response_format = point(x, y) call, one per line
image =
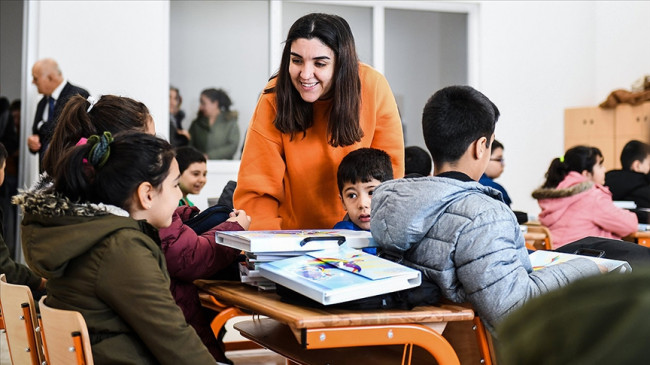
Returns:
point(107, 47)
point(538, 58)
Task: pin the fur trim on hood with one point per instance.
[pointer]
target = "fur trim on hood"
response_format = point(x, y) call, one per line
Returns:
point(554, 193)
point(44, 201)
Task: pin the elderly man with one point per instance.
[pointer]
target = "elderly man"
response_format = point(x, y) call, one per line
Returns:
point(56, 91)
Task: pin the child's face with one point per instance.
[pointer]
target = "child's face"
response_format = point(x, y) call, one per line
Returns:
point(597, 173)
point(356, 201)
point(193, 179)
point(165, 199)
point(495, 166)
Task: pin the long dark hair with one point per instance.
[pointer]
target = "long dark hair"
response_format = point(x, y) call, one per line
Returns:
point(110, 113)
point(131, 159)
point(578, 159)
point(296, 115)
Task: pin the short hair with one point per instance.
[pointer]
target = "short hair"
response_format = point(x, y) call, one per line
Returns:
point(578, 159)
point(133, 158)
point(110, 113)
point(634, 151)
point(363, 165)
point(417, 161)
point(3, 153)
point(453, 118)
point(496, 145)
point(294, 115)
point(188, 155)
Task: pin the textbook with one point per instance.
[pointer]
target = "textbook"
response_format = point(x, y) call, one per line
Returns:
point(340, 275)
point(541, 259)
point(298, 241)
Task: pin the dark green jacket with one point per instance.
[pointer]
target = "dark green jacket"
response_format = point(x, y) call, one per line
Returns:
point(16, 273)
point(218, 141)
point(109, 267)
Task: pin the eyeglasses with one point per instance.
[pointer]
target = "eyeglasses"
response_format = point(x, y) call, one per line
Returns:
point(499, 160)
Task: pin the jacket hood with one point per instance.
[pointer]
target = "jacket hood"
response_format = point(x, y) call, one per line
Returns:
point(56, 230)
point(404, 210)
point(556, 201)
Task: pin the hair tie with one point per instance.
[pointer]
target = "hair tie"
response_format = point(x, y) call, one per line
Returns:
point(101, 148)
point(562, 159)
point(92, 100)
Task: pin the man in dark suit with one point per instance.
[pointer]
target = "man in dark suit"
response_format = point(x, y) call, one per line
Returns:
point(56, 91)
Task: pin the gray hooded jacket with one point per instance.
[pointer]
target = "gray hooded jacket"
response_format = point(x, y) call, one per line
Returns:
point(465, 239)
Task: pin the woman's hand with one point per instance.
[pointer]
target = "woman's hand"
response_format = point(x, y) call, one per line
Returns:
point(239, 216)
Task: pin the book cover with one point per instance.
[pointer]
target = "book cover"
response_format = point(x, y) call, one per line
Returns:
point(294, 240)
point(541, 259)
point(336, 276)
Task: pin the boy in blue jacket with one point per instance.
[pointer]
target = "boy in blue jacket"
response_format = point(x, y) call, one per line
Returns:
point(455, 230)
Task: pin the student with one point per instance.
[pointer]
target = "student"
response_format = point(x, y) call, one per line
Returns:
point(494, 170)
point(417, 162)
point(194, 169)
point(16, 273)
point(574, 202)
point(455, 230)
point(322, 104)
point(94, 237)
point(191, 256)
point(632, 181)
point(359, 173)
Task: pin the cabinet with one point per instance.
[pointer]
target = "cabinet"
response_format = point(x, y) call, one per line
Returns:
point(607, 129)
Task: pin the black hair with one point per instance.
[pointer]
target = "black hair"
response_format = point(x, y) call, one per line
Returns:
point(496, 145)
point(578, 159)
point(417, 161)
point(634, 151)
point(294, 115)
point(188, 155)
point(3, 154)
point(363, 165)
point(453, 118)
point(133, 158)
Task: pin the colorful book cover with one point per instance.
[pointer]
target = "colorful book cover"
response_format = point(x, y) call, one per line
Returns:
point(335, 276)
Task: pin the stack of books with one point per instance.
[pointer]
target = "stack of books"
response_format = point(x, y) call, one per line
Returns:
point(269, 246)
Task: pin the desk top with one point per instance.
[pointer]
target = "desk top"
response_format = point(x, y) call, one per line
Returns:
point(269, 304)
point(640, 234)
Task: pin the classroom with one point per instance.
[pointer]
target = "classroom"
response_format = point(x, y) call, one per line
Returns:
point(533, 59)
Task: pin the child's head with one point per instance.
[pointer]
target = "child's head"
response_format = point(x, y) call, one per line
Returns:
point(194, 169)
point(495, 166)
point(358, 175)
point(636, 157)
point(456, 118)
point(136, 172)
point(584, 160)
point(417, 161)
point(3, 162)
point(81, 118)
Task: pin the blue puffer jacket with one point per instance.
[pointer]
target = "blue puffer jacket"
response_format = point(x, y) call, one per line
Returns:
point(463, 238)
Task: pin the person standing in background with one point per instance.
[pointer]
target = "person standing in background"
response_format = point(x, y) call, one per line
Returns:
point(322, 104)
point(56, 91)
point(178, 136)
point(215, 131)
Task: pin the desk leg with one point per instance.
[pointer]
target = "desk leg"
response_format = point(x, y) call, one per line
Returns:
point(408, 334)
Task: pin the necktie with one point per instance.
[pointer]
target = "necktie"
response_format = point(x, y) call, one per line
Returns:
point(50, 115)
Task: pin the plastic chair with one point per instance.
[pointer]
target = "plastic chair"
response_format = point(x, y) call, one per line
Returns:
point(66, 335)
point(19, 316)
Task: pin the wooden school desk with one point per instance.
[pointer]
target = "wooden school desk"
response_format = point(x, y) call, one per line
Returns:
point(308, 335)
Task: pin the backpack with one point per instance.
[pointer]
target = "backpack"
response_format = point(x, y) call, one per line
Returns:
point(635, 255)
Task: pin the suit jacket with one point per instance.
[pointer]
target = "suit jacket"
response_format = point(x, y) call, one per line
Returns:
point(46, 129)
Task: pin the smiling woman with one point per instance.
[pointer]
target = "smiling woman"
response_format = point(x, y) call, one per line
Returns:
point(322, 104)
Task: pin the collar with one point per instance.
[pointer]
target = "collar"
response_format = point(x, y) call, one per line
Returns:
point(457, 175)
point(57, 92)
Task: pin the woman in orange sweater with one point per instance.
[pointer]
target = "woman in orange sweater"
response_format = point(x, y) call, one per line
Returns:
point(321, 104)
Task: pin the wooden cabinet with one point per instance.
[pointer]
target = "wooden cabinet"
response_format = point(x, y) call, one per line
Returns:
point(607, 129)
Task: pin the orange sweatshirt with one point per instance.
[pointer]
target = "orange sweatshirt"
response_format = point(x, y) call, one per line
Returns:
point(291, 184)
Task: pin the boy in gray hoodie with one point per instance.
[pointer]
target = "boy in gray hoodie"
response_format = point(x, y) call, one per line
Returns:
point(458, 232)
